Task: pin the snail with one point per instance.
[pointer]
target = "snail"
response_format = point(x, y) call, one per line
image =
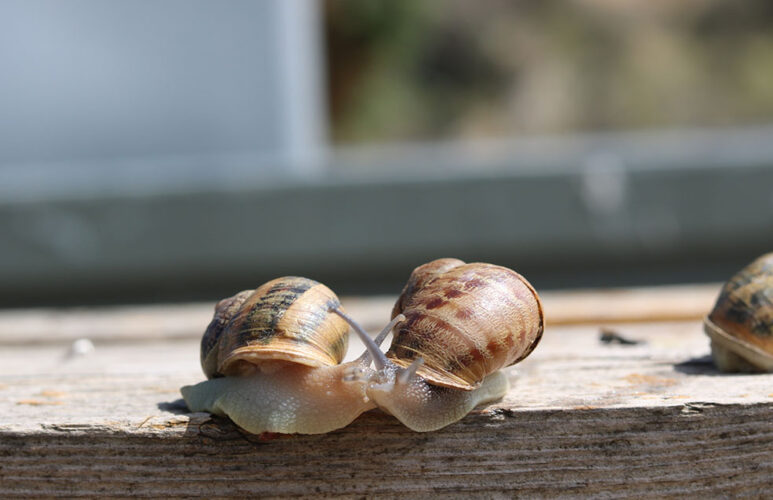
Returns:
point(741, 324)
point(463, 322)
point(273, 356)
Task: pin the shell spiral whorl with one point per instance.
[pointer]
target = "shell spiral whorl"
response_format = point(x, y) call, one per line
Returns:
point(286, 319)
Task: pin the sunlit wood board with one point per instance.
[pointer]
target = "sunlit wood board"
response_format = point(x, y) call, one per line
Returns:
point(582, 417)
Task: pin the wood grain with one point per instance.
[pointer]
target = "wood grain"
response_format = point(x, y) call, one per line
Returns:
point(582, 418)
point(153, 322)
point(672, 451)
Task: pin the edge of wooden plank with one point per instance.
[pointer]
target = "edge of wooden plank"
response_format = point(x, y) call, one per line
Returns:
point(181, 321)
point(675, 450)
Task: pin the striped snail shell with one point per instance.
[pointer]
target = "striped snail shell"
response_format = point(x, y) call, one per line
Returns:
point(460, 324)
point(466, 321)
point(741, 324)
point(273, 360)
point(287, 319)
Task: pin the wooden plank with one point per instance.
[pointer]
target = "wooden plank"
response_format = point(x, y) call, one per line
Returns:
point(674, 451)
point(187, 321)
point(119, 386)
point(582, 417)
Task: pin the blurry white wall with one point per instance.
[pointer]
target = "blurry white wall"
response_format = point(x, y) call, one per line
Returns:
point(192, 87)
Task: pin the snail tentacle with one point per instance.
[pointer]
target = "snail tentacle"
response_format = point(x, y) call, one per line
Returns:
point(372, 347)
point(404, 375)
point(365, 358)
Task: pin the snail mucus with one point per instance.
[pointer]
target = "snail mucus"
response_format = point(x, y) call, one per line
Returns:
point(457, 325)
point(740, 325)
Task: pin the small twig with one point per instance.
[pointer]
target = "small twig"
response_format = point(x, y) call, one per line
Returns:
point(144, 421)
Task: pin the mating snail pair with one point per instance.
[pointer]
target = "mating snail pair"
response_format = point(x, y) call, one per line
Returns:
point(273, 355)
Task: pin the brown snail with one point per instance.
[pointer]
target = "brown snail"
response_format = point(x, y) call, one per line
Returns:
point(463, 322)
point(741, 324)
point(273, 360)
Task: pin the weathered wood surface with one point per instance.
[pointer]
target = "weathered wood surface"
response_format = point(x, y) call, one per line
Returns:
point(582, 418)
point(139, 323)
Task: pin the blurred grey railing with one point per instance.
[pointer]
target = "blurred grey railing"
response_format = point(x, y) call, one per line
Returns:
point(614, 209)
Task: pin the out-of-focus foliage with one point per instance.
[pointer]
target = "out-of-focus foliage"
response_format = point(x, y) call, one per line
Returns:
point(421, 69)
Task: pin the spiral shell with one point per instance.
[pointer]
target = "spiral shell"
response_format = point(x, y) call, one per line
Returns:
point(286, 319)
point(742, 319)
point(466, 321)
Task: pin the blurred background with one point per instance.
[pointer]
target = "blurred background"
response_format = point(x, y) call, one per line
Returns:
point(181, 150)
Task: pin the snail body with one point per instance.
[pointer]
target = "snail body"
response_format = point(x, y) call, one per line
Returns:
point(463, 323)
point(273, 360)
point(740, 325)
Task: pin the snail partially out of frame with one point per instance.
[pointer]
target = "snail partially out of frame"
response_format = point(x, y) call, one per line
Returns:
point(740, 325)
